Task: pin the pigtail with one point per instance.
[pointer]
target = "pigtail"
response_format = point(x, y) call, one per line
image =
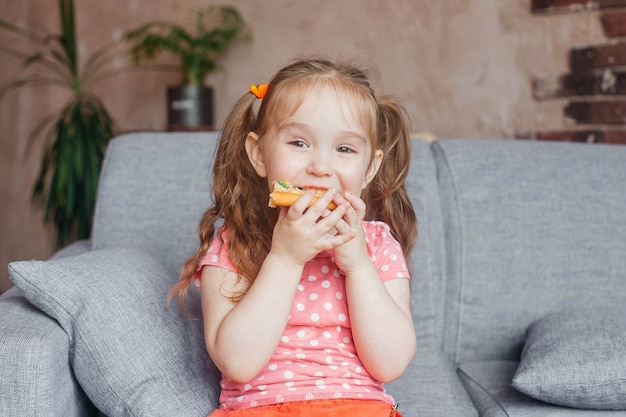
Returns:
point(236, 197)
point(386, 195)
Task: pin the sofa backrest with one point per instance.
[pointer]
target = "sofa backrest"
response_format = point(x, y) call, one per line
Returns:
point(530, 228)
point(508, 230)
point(153, 190)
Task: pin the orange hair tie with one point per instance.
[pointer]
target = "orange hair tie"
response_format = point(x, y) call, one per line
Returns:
point(259, 91)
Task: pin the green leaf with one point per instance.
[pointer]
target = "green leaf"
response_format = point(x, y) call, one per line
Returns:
point(215, 29)
point(68, 31)
point(28, 34)
point(76, 136)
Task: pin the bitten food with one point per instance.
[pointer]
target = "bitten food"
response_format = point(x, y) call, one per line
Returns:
point(285, 194)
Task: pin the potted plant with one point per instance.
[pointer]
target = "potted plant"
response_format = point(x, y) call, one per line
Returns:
point(77, 135)
point(190, 104)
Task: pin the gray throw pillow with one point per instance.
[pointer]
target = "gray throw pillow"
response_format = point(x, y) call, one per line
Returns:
point(577, 359)
point(129, 353)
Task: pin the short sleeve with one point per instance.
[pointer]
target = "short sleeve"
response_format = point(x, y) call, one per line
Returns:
point(385, 252)
point(216, 255)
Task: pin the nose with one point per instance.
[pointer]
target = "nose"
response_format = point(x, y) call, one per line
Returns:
point(320, 165)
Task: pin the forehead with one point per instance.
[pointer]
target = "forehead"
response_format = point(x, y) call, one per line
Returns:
point(324, 105)
point(358, 109)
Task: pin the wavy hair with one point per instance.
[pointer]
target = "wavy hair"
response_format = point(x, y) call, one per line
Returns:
point(240, 195)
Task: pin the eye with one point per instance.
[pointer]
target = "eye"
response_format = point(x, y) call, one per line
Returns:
point(345, 149)
point(299, 143)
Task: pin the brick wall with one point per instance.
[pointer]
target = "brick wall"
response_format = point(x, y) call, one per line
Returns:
point(594, 88)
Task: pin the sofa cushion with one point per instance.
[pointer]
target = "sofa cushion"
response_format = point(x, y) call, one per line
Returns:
point(431, 387)
point(489, 385)
point(530, 227)
point(153, 190)
point(129, 353)
point(576, 358)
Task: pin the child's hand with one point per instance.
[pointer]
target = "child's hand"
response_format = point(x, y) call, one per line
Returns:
point(301, 233)
point(353, 254)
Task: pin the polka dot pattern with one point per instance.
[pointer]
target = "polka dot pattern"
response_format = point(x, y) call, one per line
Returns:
point(316, 358)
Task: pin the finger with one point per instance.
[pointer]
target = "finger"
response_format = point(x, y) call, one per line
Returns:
point(326, 200)
point(357, 203)
point(302, 203)
point(323, 204)
point(334, 241)
point(341, 238)
point(329, 219)
point(343, 227)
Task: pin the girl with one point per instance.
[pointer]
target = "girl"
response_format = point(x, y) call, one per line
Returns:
point(306, 309)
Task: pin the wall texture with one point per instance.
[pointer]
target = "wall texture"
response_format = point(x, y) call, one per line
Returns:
point(461, 68)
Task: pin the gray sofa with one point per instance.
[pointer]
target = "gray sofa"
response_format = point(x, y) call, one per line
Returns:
point(518, 287)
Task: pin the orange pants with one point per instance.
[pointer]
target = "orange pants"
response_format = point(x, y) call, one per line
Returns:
point(316, 408)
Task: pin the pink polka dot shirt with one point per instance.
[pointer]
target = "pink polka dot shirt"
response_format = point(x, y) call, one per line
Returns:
point(316, 357)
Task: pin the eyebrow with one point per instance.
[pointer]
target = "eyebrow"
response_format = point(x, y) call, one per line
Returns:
point(306, 128)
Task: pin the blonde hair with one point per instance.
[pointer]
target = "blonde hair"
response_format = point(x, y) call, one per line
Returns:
point(240, 196)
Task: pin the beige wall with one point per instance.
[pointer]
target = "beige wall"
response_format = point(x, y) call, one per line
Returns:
point(462, 69)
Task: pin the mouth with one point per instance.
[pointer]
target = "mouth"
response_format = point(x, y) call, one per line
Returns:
point(286, 185)
point(313, 187)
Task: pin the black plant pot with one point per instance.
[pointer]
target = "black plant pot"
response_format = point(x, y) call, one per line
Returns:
point(190, 107)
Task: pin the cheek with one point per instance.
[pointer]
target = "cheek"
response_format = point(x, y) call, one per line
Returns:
point(353, 181)
point(281, 167)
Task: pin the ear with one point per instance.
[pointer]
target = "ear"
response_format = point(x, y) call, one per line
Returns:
point(255, 155)
point(373, 168)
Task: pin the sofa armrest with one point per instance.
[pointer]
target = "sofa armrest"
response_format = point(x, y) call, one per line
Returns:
point(431, 387)
point(35, 373)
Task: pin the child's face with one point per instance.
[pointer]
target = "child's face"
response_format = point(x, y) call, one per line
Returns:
point(322, 145)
